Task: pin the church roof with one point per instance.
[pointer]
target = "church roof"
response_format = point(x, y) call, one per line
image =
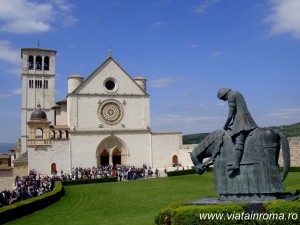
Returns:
point(61, 101)
point(23, 158)
point(36, 49)
point(75, 75)
point(103, 65)
point(4, 156)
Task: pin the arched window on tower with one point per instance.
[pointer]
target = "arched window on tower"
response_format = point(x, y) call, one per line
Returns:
point(30, 62)
point(46, 63)
point(38, 63)
point(39, 134)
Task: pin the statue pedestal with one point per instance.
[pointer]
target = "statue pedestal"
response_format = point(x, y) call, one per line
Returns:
point(254, 205)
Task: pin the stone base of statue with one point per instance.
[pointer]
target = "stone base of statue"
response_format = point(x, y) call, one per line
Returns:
point(254, 203)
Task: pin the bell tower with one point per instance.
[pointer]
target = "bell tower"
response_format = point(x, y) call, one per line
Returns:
point(38, 79)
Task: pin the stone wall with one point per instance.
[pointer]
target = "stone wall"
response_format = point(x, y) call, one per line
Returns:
point(6, 179)
point(294, 143)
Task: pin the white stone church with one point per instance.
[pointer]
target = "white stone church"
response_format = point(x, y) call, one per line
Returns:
point(105, 119)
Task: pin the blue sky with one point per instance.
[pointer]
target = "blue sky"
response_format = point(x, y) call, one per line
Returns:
point(186, 50)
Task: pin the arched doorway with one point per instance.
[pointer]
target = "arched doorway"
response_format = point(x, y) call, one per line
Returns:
point(104, 158)
point(111, 151)
point(116, 157)
point(53, 168)
point(175, 160)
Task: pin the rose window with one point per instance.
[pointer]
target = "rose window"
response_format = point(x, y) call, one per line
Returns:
point(110, 112)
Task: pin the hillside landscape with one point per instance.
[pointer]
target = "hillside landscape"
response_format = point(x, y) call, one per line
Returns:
point(292, 130)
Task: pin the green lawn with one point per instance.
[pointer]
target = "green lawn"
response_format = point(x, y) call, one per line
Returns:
point(132, 202)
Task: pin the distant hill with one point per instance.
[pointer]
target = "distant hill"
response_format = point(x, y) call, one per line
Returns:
point(292, 130)
point(193, 138)
point(288, 130)
point(4, 147)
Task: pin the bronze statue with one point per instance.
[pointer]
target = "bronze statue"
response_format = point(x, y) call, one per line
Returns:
point(239, 122)
point(245, 157)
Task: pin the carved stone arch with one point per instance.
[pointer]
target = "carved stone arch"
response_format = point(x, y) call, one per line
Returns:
point(117, 149)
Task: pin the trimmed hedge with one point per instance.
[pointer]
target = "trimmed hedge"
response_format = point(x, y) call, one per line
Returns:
point(89, 181)
point(180, 214)
point(185, 172)
point(284, 208)
point(23, 208)
point(292, 169)
point(180, 172)
point(190, 214)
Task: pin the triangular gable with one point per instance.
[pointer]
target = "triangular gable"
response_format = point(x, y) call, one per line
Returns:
point(95, 83)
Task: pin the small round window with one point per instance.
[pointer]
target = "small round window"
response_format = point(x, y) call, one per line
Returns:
point(110, 85)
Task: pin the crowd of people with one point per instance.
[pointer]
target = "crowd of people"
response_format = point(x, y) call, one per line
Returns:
point(120, 171)
point(27, 187)
point(34, 185)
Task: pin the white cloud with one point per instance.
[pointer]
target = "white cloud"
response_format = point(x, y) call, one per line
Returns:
point(17, 91)
point(286, 113)
point(284, 17)
point(214, 54)
point(159, 24)
point(202, 8)
point(163, 82)
point(28, 16)
point(8, 54)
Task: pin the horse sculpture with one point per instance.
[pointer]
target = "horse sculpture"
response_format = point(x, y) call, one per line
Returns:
point(258, 177)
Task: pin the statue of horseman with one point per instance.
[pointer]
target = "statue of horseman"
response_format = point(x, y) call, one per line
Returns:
point(244, 156)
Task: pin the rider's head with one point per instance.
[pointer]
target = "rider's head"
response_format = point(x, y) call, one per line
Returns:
point(222, 93)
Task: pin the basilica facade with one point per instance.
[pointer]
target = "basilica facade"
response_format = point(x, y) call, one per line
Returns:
point(104, 119)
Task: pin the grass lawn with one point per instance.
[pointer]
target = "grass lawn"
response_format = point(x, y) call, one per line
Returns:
point(132, 202)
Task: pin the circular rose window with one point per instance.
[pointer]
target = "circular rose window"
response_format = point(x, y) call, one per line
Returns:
point(110, 111)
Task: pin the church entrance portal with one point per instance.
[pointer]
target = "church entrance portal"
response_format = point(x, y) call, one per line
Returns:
point(111, 151)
